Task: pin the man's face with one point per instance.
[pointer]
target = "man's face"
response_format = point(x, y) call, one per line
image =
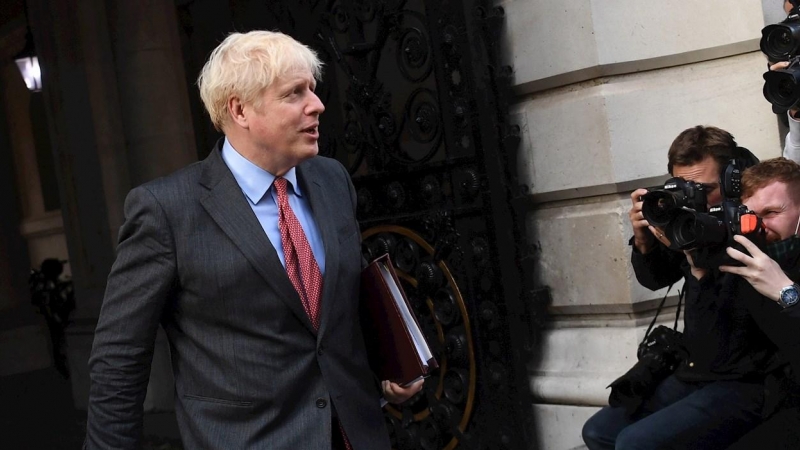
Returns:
point(705, 172)
point(777, 209)
point(286, 125)
point(787, 6)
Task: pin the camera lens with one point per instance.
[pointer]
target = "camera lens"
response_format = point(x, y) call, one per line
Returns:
point(658, 207)
point(785, 89)
point(782, 88)
point(693, 230)
point(682, 231)
point(780, 41)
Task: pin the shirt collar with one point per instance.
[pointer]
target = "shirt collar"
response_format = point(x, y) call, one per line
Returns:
point(253, 180)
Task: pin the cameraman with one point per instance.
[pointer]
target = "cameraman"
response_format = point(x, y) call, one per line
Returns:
point(717, 394)
point(772, 190)
point(791, 147)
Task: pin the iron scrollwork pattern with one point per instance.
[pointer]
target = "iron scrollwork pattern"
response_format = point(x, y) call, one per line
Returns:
point(417, 111)
point(438, 416)
point(410, 82)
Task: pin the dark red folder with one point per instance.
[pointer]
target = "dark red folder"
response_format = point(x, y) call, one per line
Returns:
point(396, 347)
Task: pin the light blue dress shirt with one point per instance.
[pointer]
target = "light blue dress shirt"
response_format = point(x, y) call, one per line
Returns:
point(256, 183)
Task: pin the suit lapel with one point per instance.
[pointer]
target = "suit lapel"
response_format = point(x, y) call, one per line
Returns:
point(311, 180)
point(227, 206)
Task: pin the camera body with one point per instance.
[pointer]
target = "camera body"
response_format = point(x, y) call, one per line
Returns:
point(662, 203)
point(680, 210)
point(659, 354)
point(708, 235)
point(781, 42)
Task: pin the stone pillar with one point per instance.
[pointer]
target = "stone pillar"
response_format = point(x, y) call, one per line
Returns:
point(118, 113)
point(23, 336)
point(156, 120)
point(79, 88)
point(603, 89)
point(152, 87)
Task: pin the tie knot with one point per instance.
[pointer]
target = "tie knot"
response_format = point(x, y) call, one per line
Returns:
point(280, 186)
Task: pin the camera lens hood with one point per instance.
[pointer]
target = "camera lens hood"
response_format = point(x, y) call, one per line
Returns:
point(782, 87)
point(781, 41)
point(659, 207)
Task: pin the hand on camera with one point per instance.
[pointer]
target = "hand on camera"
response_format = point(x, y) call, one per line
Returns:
point(697, 273)
point(660, 236)
point(779, 65)
point(761, 271)
point(642, 238)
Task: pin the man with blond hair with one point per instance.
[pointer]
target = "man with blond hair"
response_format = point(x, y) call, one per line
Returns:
point(250, 260)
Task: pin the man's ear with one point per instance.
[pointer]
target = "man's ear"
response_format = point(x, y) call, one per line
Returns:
point(237, 112)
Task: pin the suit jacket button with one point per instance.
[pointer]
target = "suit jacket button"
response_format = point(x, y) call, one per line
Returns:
point(321, 403)
point(319, 350)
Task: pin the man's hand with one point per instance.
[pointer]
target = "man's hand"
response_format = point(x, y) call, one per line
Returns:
point(783, 65)
point(394, 393)
point(697, 273)
point(779, 65)
point(660, 237)
point(642, 239)
point(761, 271)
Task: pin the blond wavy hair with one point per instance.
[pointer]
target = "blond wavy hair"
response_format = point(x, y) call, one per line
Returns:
point(245, 64)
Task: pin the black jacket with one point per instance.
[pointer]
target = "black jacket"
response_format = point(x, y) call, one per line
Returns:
point(730, 331)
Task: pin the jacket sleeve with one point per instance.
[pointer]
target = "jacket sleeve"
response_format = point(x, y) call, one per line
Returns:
point(791, 148)
point(139, 285)
point(792, 313)
point(777, 324)
point(659, 268)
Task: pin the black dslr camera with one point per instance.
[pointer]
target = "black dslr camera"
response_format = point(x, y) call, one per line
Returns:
point(662, 204)
point(679, 208)
point(659, 355)
point(781, 42)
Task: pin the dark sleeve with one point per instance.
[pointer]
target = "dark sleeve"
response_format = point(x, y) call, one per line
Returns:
point(657, 269)
point(776, 323)
point(140, 282)
point(788, 322)
point(793, 313)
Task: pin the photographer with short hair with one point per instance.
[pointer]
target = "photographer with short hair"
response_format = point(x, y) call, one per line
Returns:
point(772, 190)
point(717, 393)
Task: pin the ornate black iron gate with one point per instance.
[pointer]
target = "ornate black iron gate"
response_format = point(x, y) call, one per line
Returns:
point(416, 109)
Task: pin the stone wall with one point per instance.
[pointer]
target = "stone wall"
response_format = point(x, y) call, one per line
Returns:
point(603, 87)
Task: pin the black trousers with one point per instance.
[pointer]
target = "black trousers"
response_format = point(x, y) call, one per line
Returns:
point(680, 415)
point(779, 432)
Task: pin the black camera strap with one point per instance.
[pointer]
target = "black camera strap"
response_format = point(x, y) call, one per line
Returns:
point(658, 311)
point(678, 311)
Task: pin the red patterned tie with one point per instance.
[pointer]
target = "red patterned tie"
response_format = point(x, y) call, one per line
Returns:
point(301, 266)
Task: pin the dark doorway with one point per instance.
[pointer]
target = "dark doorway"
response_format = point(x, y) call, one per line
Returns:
point(416, 109)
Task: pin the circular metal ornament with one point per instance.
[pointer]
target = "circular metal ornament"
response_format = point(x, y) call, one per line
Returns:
point(460, 378)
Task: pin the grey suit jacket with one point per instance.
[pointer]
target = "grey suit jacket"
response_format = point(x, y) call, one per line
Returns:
point(250, 370)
